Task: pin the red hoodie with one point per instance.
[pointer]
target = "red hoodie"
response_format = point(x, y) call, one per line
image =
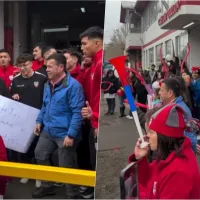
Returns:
point(3, 157)
point(7, 74)
point(36, 64)
point(92, 86)
point(173, 178)
point(78, 74)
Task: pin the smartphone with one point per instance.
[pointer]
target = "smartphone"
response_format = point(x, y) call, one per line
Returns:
point(129, 182)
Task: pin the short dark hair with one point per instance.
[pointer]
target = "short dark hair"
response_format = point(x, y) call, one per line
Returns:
point(4, 51)
point(59, 58)
point(24, 58)
point(93, 32)
point(73, 52)
point(41, 45)
point(174, 85)
point(46, 49)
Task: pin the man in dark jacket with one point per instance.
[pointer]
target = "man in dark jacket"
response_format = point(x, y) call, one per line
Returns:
point(59, 122)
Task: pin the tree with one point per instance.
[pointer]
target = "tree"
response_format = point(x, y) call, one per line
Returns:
point(119, 37)
point(117, 43)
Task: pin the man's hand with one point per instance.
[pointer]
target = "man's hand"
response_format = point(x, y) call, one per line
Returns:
point(96, 132)
point(87, 111)
point(15, 97)
point(37, 129)
point(68, 142)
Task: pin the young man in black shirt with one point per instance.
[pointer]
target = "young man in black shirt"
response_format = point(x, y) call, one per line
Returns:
point(27, 88)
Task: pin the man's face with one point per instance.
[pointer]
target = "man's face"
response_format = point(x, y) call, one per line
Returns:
point(195, 76)
point(37, 53)
point(165, 94)
point(4, 59)
point(25, 68)
point(89, 46)
point(71, 61)
point(47, 54)
point(53, 69)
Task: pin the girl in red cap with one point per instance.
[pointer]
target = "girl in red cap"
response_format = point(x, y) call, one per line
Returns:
point(174, 174)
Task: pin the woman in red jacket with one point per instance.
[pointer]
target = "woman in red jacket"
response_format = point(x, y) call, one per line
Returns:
point(3, 179)
point(174, 174)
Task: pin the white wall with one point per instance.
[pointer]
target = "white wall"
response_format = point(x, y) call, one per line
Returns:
point(133, 39)
point(1, 24)
point(194, 41)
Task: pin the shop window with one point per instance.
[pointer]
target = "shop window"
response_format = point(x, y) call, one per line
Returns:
point(168, 47)
point(151, 57)
point(181, 46)
point(158, 61)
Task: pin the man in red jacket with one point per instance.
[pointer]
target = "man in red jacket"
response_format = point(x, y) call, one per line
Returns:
point(92, 45)
point(6, 69)
point(73, 59)
point(37, 53)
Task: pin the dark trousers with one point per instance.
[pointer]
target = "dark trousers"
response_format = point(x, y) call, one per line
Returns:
point(111, 104)
point(67, 157)
point(86, 148)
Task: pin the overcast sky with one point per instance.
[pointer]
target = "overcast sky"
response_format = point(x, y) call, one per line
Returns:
point(112, 16)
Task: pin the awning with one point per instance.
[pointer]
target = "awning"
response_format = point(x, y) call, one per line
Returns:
point(183, 15)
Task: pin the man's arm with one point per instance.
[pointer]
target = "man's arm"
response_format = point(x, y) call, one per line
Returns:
point(76, 102)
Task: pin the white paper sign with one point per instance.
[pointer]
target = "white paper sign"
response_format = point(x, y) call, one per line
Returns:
point(17, 122)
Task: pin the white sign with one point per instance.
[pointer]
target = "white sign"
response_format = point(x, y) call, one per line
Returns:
point(17, 122)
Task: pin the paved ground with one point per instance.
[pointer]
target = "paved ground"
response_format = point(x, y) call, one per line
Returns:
point(117, 138)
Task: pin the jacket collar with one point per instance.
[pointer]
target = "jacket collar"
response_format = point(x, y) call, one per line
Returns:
point(98, 56)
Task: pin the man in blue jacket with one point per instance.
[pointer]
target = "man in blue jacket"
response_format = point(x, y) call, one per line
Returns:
point(59, 122)
point(170, 93)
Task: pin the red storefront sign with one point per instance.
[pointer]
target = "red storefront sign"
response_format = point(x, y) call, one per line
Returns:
point(172, 10)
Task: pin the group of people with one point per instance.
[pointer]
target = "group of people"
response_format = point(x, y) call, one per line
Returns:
point(65, 87)
point(167, 166)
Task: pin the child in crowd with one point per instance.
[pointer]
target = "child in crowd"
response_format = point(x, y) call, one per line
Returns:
point(196, 87)
point(156, 97)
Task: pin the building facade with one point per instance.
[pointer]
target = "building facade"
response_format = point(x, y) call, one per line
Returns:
point(166, 26)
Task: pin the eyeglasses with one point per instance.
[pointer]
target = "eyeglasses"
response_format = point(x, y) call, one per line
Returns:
point(24, 65)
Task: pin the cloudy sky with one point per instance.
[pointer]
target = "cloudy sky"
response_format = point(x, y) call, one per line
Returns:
point(112, 16)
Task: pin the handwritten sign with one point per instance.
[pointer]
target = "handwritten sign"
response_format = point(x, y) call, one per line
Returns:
point(17, 122)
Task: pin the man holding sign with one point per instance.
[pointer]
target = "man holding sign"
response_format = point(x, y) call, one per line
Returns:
point(59, 122)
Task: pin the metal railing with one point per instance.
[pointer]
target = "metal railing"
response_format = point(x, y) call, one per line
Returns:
point(48, 173)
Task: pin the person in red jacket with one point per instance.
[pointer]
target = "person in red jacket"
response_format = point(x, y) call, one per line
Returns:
point(37, 53)
point(73, 59)
point(92, 45)
point(6, 69)
point(174, 174)
point(3, 179)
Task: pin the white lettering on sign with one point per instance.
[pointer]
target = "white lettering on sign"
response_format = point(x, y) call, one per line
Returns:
point(17, 122)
